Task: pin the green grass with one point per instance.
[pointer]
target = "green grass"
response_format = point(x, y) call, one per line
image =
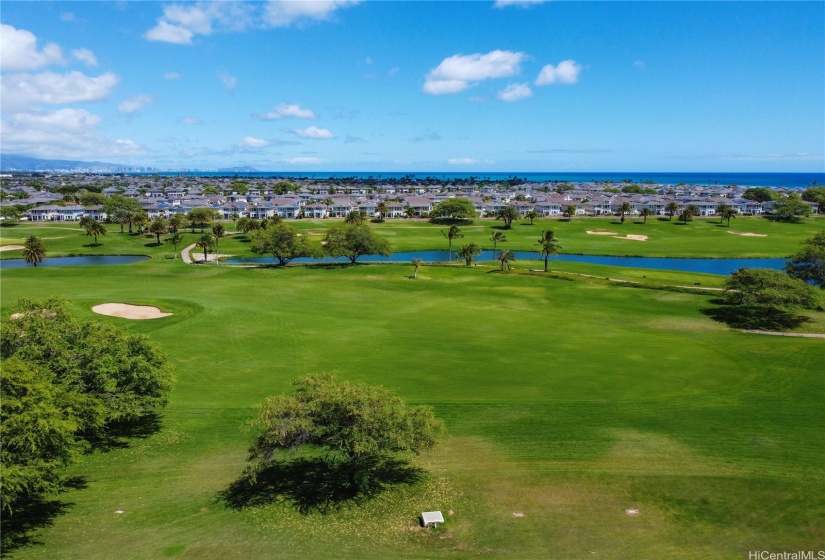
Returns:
point(567, 401)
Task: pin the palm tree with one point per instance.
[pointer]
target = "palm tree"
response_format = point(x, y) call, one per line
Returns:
point(625, 208)
point(218, 230)
point(176, 222)
point(531, 215)
point(175, 241)
point(84, 221)
point(548, 246)
point(159, 226)
point(453, 233)
point(33, 250)
point(672, 208)
point(204, 242)
point(356, 217)
point(645, 212)
point(569, 212)
point(417, 264)
point(497, 238)
point(506, 258)
point(95, 229)
point(726, 212)
point(140, 219)
point(382, 209)
point(688, 213)
point(468, 252)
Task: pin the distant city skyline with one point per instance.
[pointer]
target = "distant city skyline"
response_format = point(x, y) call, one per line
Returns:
point(344, 85)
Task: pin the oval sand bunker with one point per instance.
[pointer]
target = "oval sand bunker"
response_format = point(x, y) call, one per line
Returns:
point(126, 311)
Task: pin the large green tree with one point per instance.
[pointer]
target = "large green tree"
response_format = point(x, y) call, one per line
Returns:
point(200, 217)
point(456, 208)
point(790, 208)
point(354, 241)
point(40, 421)
point(671, 208)
point(758, 194)
point(126, 374)
point(351, 424)
point(283, 242)
point(159, 226)
point(507, 215)
point(808, 264)
point(121, 210)
point(769, 288)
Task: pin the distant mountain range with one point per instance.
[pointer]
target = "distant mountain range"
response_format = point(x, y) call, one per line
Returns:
point(17, 163)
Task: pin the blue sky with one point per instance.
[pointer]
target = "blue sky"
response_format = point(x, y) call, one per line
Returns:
point(341, 85)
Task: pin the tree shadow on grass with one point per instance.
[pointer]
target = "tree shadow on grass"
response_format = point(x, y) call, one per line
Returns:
point(117, 435)
point(755, 317)
point(22, 527)
point(316, 485)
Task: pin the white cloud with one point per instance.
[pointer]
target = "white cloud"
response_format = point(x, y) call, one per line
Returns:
point(462, 161)
point(19, 91)
point(518, 3)
point(287, 111)
point(172, 76)
point(67, 17)
point(191, 121)
point(282, 13)
point(85, 56)
point(459, 72)
point(18, 50)
point(250, 142)
point(65, 133)
point(166, 32)
point(567, 72)
point(315, 132)
point(135, 104)
point(304, 161)
point(181, 23)
point(514, 92)
point(229, 82)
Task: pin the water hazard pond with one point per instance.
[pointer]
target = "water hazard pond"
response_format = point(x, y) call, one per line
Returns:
point(708, 266)
point(7, 264)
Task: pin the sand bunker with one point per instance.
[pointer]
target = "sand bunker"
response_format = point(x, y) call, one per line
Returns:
point(198, 257)
point(601, 232)
point(633, 237)
point(748, 234)
point(126, 311)
point(11, 247)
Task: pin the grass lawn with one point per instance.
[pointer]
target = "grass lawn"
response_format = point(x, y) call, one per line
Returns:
point(566, 403)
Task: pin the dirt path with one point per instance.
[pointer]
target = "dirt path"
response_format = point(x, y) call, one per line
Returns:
point(778, 333)
point(184, 254)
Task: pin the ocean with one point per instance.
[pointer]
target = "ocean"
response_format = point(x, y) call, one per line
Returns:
point(787, 180)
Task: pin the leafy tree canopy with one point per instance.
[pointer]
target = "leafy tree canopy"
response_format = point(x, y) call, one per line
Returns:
point(769, 288)
point(507, 214)
point(790, 209)
point(351, 423)
point(808, 264)
point(353, 241)
point(283, 242)
point(455, 208)
point(758, 194)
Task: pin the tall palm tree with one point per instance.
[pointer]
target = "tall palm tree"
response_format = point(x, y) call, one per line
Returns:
point(645, 212)
point(453, 233)
point(175, 241)
point(672, 208)
point(726, 212)
point(497, 238)
point(531, 215)
point(204, 242)
point(506, 258)
point(507, 214)
point(569, 212)
point(159, 226)
point(417, 264)
point(84, 221)
point(141, 220)
point(548, 246)
point(469, 252)
point(688, 213)
point(382, 209)
point(95, 229)
point(218, 230)
point(625, 208)
point(33, 250)
point(176, 222)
